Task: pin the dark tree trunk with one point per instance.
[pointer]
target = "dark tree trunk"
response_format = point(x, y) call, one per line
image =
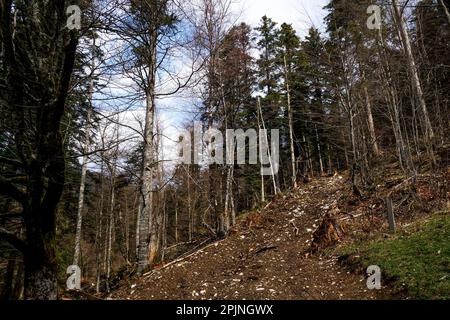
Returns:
point(9, 277)
point(40, 280)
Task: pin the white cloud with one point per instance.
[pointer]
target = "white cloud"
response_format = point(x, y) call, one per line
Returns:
point(173, 112)
point(302, 14)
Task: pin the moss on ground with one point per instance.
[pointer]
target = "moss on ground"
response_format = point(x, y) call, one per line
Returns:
point(417, 258)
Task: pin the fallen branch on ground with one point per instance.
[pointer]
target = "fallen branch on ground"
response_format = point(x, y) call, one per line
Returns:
point(263, 249)
point(184, 257)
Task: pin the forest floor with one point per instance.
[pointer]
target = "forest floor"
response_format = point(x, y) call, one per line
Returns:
point(268, 254)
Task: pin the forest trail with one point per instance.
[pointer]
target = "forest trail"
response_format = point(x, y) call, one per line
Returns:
point(263, 258)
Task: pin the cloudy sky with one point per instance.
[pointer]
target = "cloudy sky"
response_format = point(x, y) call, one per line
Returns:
point(302, 14)
point(174, 112)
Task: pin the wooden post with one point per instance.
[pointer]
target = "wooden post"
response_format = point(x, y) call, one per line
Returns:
point(390, 213)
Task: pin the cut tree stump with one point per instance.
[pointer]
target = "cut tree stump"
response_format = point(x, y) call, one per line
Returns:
point(329, 231)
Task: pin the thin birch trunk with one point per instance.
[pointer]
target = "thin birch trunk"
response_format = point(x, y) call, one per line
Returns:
point(138, 228)
point(319, 150)
point(191, 224)
point(330, 169)
point(176, 222)
point(228, 198)
point(275, 187)
point(263, 192)
point(164, 235)
point(233, 210)
point(291, 126)
point(159, 156)
point(110, 235)
point(429, 133)
point(86, 147)
point(98, 234)
point(100, 227)
point(393, 111)
point(127, 232)
point(76, 256)
point(368, 104)
point(111, 211)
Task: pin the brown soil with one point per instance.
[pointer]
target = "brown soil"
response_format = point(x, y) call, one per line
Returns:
point(267, 256)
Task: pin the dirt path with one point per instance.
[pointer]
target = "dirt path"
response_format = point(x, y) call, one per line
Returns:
point(264, 259)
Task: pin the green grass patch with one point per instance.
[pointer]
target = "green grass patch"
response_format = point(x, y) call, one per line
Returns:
point(418, 258)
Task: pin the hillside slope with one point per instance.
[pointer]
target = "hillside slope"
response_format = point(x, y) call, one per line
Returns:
point(265, 257)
